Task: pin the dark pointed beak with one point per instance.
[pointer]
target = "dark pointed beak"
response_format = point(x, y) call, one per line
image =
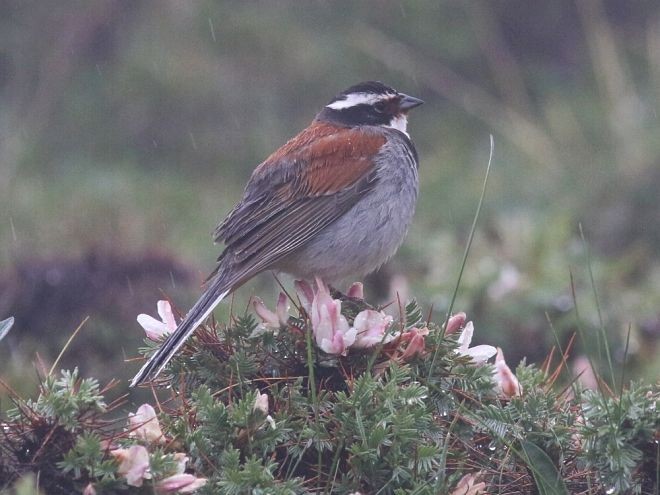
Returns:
point(408, 102)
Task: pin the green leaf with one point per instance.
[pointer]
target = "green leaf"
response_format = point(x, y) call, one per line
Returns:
point(5, 326)
point(547, 478)
point(413, 314)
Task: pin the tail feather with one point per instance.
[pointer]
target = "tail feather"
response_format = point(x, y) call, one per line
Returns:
point(195, 317)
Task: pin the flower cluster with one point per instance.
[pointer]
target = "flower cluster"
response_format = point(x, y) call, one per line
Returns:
point(332, 332)
point(134, 460)
point(506, 383)
point(335, 336)
point(470, 485)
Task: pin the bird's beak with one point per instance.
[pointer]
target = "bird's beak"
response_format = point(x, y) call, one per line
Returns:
point(408, 102)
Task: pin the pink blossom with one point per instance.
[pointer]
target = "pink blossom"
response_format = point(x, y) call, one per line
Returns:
point(89, 490)
point(371, 327)
point(331, 330)
point(181, 461)
point(144, 425)
point(155, 329)
point(455, 323)
point(273, 320)
point(506, 382)
point(585, 373)
point(305, 294)
point(134, 464)
point(261, 403)
point(282, 309)
point(268, 318)
point(416, 344)
point(356, 290)
point(480, 353)
point(399, 289)
point(468, 485)
point(180, 483)
point(508, 281)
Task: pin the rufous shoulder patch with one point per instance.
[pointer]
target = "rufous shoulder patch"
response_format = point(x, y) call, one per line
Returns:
point(327, 158)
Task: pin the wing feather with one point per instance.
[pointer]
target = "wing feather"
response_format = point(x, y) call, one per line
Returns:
point(298, 191)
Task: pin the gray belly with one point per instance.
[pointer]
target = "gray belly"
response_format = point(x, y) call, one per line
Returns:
point(369, 233)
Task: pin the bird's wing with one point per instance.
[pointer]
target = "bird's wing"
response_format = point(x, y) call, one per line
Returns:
point(298, 191)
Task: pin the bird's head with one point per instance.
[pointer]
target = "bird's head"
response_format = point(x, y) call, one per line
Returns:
point(370, 103)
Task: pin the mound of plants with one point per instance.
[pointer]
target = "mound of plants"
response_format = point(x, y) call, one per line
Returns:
point(329, 394)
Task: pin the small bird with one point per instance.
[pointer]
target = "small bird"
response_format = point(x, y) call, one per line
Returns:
point(334, 202)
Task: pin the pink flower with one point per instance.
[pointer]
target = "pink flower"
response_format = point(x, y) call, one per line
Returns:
point(89, 490)
point(331, 330)
point(506, 382)
point(585, 373)
point(144, 425)
point(273, 320)
point(305, 294)
point(180, 483)
point(371, 327)
point(181, 461)
point(455, 323)
point(261, 403)
point(155, 329)
point(134, 464)
point(416, 344)
point(356, 290)
point(468, 485)
point(480, 353)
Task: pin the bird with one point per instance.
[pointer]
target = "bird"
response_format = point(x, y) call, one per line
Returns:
point(334, 202)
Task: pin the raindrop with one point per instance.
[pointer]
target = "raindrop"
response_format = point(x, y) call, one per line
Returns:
point(212, 30)
point(492, 446)
point(610, 490)
point(13, 229)
point(192, 139)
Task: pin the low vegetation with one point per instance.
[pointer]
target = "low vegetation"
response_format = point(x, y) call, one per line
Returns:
point(263, 404)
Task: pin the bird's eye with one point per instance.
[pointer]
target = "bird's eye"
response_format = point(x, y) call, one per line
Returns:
point(379, 107)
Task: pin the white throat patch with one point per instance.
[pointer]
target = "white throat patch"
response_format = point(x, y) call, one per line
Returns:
point(355, 99)
point(400, 123)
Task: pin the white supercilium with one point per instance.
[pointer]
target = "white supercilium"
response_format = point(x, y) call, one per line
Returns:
point(355, 99)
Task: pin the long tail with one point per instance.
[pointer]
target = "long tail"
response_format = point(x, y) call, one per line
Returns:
point(195, 317)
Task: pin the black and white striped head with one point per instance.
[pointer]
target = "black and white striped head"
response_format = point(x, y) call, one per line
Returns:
point(370, 103)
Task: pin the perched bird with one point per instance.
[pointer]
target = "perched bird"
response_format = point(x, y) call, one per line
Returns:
point(335, 201)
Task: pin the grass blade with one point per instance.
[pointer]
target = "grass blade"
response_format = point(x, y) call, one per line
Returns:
point(547, 478)
point(469, 243)
point(5, 326)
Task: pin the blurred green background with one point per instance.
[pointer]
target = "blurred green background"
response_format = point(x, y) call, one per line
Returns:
point(129, 128)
